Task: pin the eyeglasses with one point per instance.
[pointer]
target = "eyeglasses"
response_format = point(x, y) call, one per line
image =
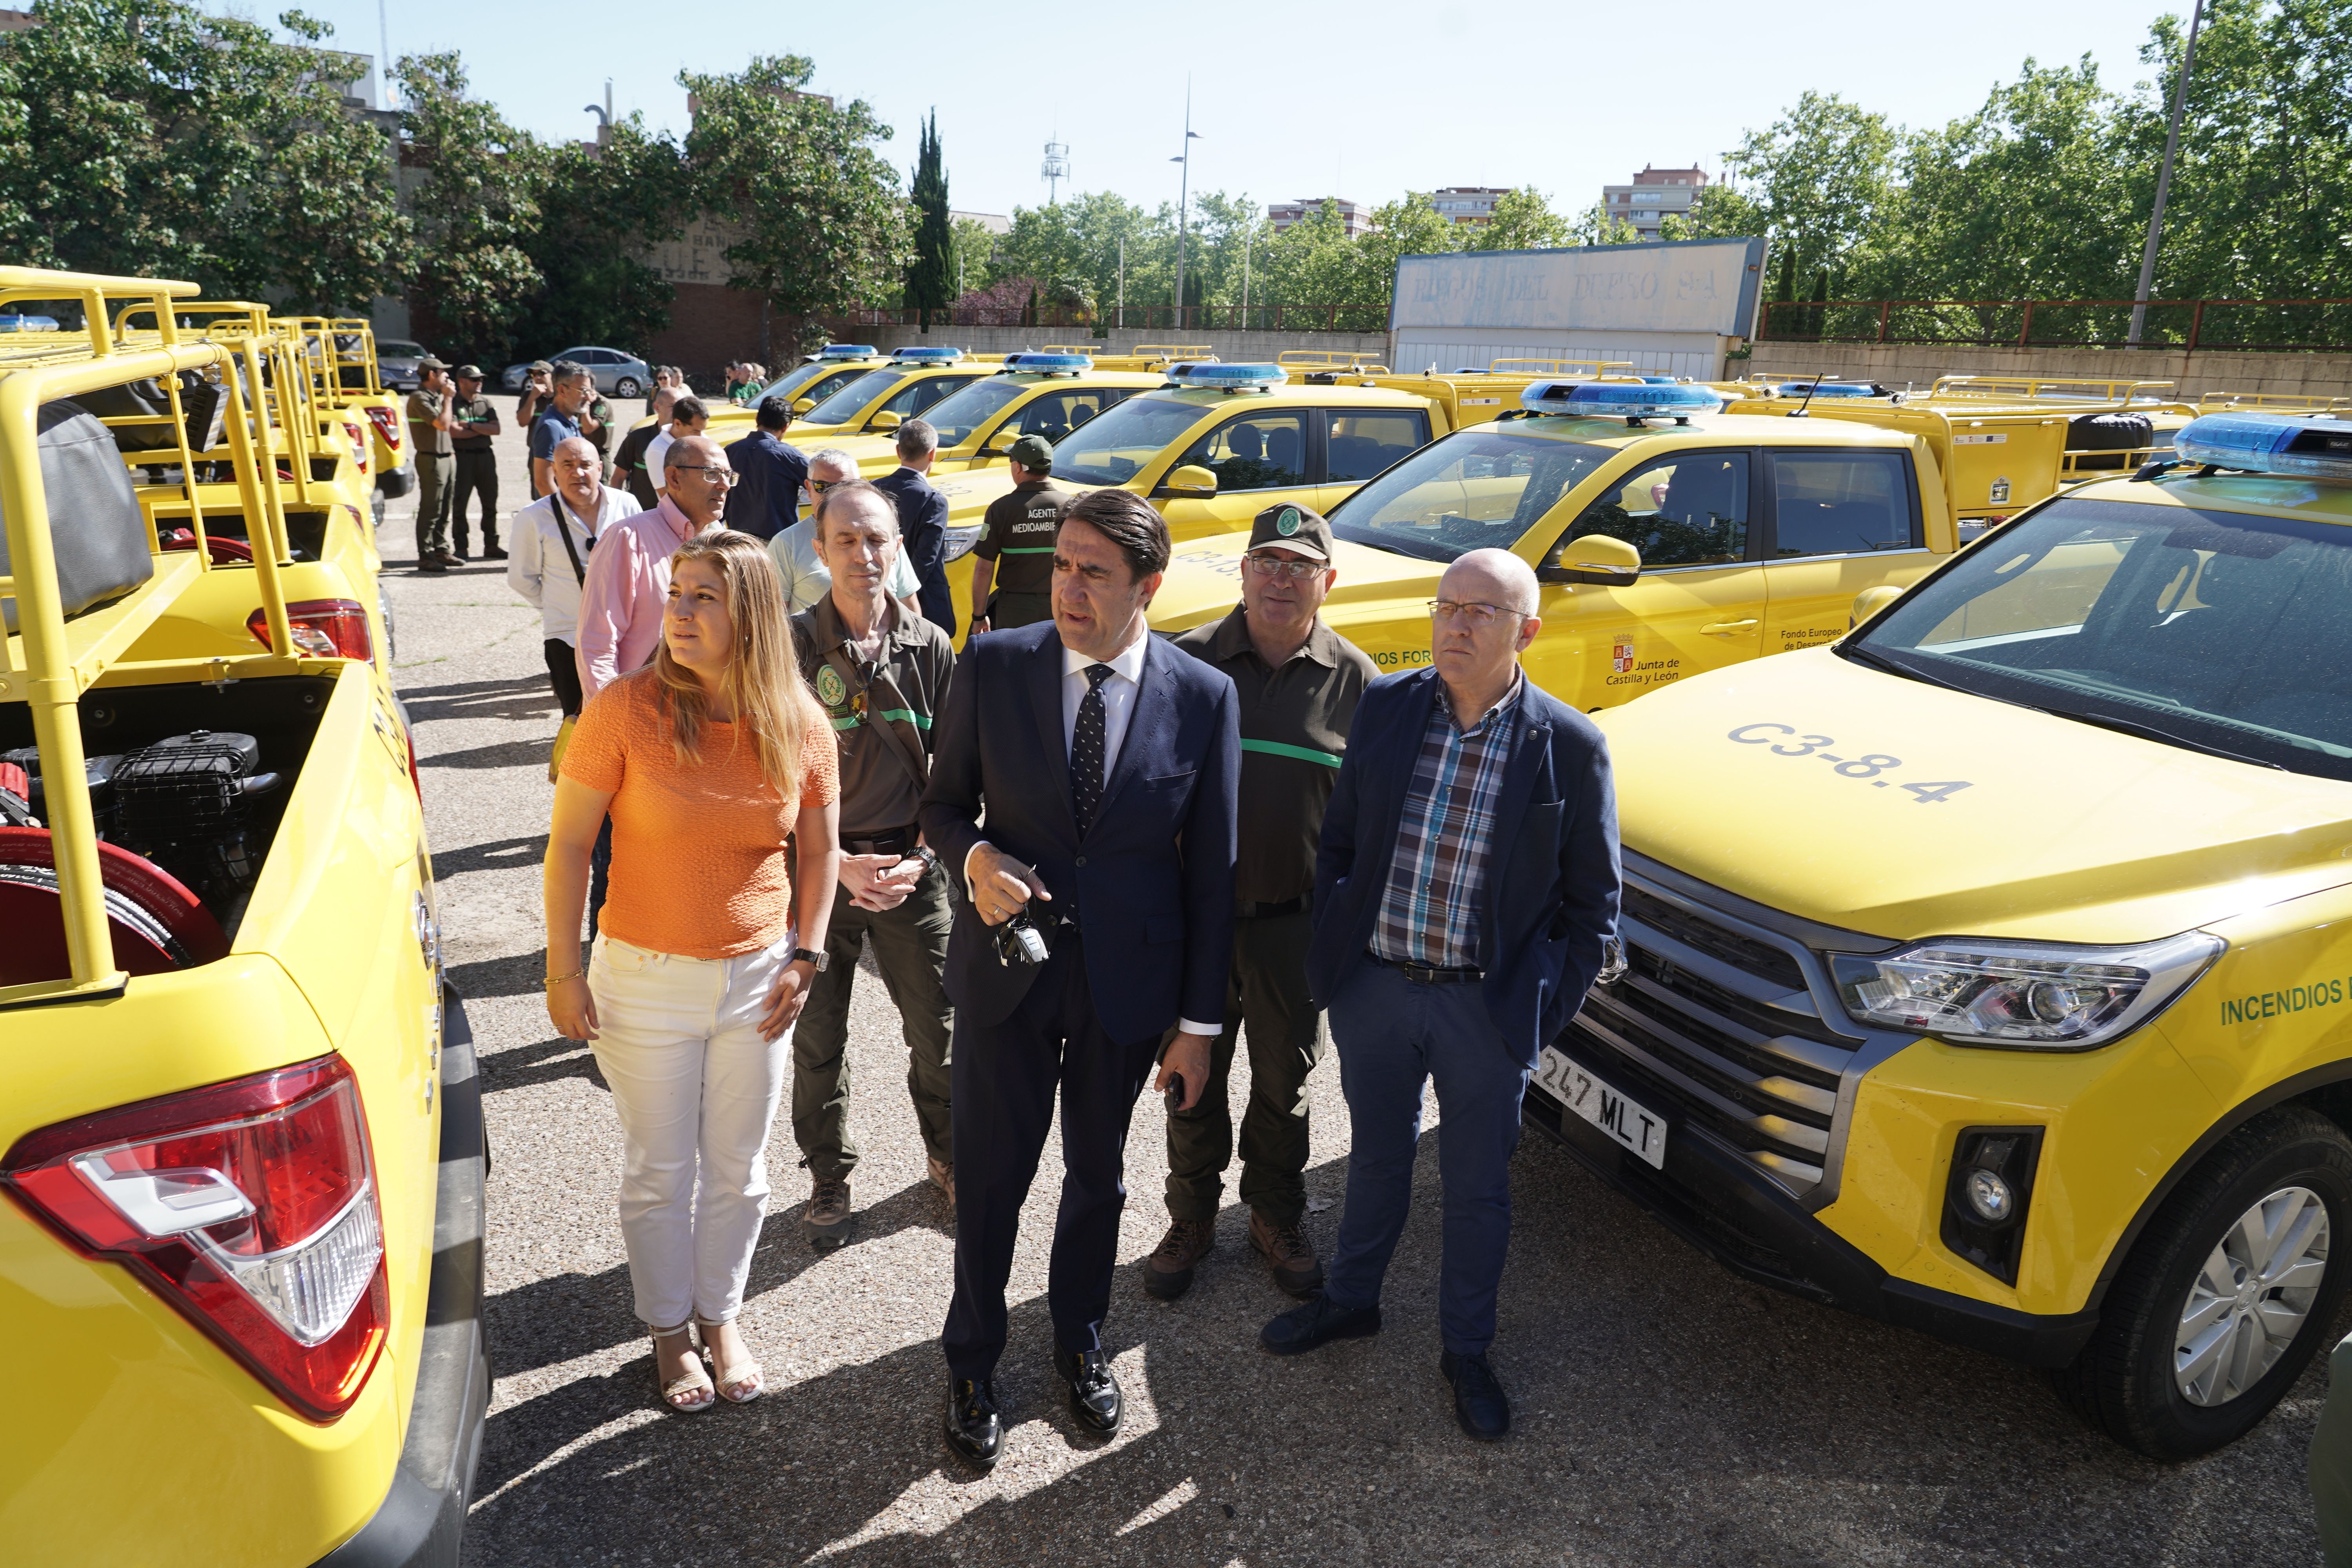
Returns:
point(1476, 616)
point(725, 477)
point(1276, 566)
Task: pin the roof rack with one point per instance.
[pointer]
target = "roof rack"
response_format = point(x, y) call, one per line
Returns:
point(50, 661)
point(2059, 388)
point(1172, 350)
point(2272, 402)
point(1595, 369)
point(1331, 359)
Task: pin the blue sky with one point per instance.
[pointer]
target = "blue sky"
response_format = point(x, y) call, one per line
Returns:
point(1367, 99)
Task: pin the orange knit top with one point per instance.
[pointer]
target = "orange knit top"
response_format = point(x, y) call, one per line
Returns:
point(697, 850)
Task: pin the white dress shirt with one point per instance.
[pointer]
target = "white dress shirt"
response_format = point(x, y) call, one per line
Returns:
point(539, 570)
point(657, 458)
point(1119, 706)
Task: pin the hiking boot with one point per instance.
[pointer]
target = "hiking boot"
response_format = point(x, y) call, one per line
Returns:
point(492, 552)
point(1168, 1272)
point(1297, 1272)
point(943, 1178)
point(828, 1220)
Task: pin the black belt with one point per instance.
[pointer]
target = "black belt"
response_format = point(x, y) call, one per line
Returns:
point(1243, 910)
point(889, 841)
point(1428, 973)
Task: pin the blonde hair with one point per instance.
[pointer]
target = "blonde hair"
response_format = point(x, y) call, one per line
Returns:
point(762, 679)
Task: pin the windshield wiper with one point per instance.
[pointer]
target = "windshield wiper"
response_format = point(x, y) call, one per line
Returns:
point(1862, 653)
point(2150, 732)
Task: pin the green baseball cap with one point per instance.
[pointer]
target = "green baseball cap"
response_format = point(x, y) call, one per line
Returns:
point(1292, 527)
point(1031, 452)
point(469, 372)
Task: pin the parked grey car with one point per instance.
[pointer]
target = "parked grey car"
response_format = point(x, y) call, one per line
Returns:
point(616, 374)
point(397, 360)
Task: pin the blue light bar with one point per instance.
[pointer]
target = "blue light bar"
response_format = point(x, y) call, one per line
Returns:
point(1829, 389)
point(1661, 381)
point(927, 356)
point(1618, 399)
point(847, 350)
point(1229, 377)
point(1049, 364)
point(2269, 444)
point(22, 323)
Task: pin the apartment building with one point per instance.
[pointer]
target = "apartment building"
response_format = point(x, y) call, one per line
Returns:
point(1354, 217)
point(1473, 206)
point(1654, 194)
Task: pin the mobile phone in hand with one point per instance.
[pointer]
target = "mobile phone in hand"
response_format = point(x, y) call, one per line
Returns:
point(1175, 1097)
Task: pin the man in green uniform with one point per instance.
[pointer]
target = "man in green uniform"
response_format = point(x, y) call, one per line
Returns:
point(1298, 682)
point(881, 671)
point(476, 466)
point(430, 428)
point(1018, 528)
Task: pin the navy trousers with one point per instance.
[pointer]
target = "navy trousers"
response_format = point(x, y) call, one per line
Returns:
point(1001, 1085)
point(1393, 1035)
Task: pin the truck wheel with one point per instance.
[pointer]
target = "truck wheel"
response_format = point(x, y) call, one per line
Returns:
point(627, 386)
point(2227, 1294)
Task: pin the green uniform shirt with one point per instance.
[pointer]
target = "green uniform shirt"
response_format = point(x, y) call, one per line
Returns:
point(878, 790)
point(1019, 527)
point(1294, 723)
point(471, 412)
point(432, 441)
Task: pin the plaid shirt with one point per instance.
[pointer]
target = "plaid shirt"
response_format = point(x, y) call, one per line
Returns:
point(1432, 911)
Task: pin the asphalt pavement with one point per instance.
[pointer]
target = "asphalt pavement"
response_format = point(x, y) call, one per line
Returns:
point(1668, 1413)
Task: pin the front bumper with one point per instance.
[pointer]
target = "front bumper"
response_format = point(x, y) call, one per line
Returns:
point(1713, 1197)
point(423, 1516)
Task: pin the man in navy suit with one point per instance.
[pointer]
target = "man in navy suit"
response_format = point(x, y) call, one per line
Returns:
point(922, 519)
point(1107, 762)
point(1465, 895)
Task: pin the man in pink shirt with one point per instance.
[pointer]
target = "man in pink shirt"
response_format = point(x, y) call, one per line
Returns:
point(627, 588)
point(628, 576)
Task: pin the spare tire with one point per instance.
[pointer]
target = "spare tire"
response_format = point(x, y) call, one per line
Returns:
point(2115, 433)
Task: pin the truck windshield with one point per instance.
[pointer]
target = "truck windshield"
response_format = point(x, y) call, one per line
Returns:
point(1466, 492)
point(1109, 448)
point(959, 413)
point(792, 379)
point(2215, 631)
point(846, 404)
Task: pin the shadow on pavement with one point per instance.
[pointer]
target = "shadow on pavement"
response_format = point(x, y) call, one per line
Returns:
point(504, 754)
point(520, 1067)
point(498, 855)
point(524, 698)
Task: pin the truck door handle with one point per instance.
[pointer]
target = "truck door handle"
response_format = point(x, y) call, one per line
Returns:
point(1727, 627)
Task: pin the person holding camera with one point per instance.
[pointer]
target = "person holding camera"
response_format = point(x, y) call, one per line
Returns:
point(1098, 925)
point(880, 672)
point(431, 427)
point(538, 391)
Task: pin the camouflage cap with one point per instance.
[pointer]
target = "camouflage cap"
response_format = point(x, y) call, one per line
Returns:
point(1031, 452)
point(469, 372)
point(1292, 527)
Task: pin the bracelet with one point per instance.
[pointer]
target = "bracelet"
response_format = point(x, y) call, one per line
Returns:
point(560, 979)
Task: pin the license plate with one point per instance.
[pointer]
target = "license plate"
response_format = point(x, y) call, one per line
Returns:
point(1642, 1131)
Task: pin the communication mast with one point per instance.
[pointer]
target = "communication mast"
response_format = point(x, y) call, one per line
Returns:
point(1056, 168)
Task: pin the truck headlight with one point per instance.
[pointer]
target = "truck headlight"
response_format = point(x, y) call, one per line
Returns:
point(958, 541)
point(2023, 995)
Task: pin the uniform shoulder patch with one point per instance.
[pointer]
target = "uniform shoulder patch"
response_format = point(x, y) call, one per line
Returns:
point(830, 688)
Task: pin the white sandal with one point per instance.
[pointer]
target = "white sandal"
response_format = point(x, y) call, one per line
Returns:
point(681, 1394)
point(729, 1376)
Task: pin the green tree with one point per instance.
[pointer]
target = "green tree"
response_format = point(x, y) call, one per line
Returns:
point(931, 281)
point(1523, 221)
point(1822, 178)
point(600, 206)
point(145, 137)
point(968, 260)
point(477, 207)
point(825, 228)
point(1599, 225)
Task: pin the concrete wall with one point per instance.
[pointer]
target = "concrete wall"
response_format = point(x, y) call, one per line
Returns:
point(2193, 375)
point(1248, 347)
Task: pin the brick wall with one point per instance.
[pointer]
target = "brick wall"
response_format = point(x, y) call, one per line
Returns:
point(710, 325)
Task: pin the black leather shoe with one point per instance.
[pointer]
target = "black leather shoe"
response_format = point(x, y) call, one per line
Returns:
point(1479, 1401)
point(1095, 1398)
point(974, 1429)
point(1318, 1323)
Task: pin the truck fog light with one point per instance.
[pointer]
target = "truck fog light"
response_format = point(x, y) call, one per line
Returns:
point(1989, 1196)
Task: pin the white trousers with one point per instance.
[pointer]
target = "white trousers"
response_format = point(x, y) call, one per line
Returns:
point(696, 1089)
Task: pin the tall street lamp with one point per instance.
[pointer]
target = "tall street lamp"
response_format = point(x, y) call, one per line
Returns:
point(2164, 179)
point(1185, 199)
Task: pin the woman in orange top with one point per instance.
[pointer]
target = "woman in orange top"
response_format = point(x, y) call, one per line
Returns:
point(707, 759)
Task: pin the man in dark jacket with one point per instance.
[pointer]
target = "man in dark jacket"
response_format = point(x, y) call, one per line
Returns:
point(1465, 897)
point(922, 518)
point(769, 472)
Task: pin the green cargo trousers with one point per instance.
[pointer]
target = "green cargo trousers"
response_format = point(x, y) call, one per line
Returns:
point(1267, 999)
point(435, 483)
point(910, 948)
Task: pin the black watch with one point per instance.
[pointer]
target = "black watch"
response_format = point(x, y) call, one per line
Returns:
point(815, 960)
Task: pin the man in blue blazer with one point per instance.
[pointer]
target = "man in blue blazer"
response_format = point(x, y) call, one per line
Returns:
point(922, 519)
point(1106, 762)
point(1464, 896)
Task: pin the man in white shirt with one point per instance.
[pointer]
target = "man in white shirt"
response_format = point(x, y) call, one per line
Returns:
point(548, 566)
point(806, 581)
point(688, 417)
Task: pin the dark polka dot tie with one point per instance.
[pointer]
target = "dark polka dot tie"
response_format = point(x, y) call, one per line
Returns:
point(1086, 749)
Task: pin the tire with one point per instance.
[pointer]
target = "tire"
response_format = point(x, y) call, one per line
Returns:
point(2117, 433)
point(628, 386)
point(2123, 1382)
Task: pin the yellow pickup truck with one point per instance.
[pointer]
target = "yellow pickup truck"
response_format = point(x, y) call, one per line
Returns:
point(2011, 1003)
point(243, 1147)
point(1048, 393)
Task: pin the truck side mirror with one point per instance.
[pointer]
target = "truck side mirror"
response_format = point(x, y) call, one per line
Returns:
point(886, 420)
point(1870, 601)
point(803, 405)
point(1599, 560)
point(1190, 481)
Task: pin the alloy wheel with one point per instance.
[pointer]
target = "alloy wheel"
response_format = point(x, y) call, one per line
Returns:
point(2251, 1297)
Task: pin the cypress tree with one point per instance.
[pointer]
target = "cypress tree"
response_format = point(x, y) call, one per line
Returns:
point(931, 281)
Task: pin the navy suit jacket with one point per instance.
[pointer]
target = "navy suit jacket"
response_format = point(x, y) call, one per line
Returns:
point(1551, 866)
point(923, 533)
point(1150, 884)
point(766, 499)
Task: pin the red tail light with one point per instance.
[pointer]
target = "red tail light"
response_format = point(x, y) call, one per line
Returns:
point(324, 628)
point(358, 439)
point(249, 1205)
point(386, 426)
